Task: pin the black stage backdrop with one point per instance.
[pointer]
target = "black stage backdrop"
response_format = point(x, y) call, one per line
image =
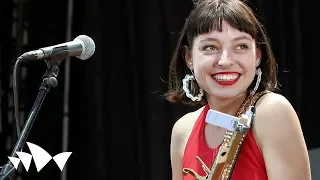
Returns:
point(120, 126)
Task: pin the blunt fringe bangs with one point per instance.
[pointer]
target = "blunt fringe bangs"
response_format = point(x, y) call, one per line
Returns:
point(209, 15)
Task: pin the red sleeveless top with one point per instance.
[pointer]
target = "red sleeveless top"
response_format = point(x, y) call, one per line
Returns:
point(250, 164)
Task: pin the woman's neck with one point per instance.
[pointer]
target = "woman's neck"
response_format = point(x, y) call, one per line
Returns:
point(228, 106)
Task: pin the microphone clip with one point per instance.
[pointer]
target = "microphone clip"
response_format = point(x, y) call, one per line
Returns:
point(53, 62)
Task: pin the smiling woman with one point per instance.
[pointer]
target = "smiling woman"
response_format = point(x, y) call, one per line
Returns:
point(235, 54)
point(223, 61)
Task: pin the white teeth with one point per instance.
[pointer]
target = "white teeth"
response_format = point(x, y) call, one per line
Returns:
point(225, 77)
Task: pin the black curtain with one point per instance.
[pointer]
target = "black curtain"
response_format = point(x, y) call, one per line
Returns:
point(120, 125)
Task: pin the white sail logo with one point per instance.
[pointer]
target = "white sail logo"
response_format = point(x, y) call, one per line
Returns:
point(40, 157)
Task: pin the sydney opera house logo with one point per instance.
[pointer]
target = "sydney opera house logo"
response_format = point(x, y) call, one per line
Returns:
point(40, 157)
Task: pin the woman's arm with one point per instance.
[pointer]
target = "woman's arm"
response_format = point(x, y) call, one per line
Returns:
point(179, 137)
point(281, 140)
point(175, 151)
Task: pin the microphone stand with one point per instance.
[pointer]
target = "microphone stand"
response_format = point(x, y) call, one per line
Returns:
point(49, 80)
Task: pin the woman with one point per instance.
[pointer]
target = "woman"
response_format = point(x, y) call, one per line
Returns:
point(222, 58)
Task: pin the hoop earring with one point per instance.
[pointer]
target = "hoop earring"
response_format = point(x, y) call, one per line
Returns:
point(188, 80)
point(258, 73)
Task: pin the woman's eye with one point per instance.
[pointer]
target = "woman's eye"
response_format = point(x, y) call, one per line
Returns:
point(242, 46)
point(210, 48)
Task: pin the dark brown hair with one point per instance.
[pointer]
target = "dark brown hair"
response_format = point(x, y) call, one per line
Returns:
point(205, 17)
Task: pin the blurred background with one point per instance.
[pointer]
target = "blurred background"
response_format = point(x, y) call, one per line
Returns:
point(109, 110)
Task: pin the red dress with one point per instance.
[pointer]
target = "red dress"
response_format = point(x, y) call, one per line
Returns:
point(250, 164)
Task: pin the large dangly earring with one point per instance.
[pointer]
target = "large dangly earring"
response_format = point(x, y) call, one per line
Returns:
point(258, 73)
point(189, 79)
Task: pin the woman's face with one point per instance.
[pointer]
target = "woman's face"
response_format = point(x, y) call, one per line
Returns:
point(224, 63)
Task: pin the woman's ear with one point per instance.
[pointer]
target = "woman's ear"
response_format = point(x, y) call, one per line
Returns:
point(187, 57)
point(258, 57)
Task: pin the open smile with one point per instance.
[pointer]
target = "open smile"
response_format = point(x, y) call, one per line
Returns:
point(226, 78)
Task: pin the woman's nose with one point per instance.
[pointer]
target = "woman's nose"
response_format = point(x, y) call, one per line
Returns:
point(225, 60)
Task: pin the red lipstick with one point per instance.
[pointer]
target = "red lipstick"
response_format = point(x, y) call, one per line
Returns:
point(226, 78)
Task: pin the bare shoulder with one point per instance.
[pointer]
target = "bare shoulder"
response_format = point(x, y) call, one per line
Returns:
point(274, 109)
point(279, 135)
point(183, 127)
point(274, 112)
point(179, 137)
point(270, 100)
point(186, 122)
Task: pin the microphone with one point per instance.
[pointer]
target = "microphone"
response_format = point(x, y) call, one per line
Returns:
point(81, 47)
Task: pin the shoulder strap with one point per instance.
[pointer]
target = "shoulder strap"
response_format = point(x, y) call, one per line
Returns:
point(234, 154)
point(257, 96)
